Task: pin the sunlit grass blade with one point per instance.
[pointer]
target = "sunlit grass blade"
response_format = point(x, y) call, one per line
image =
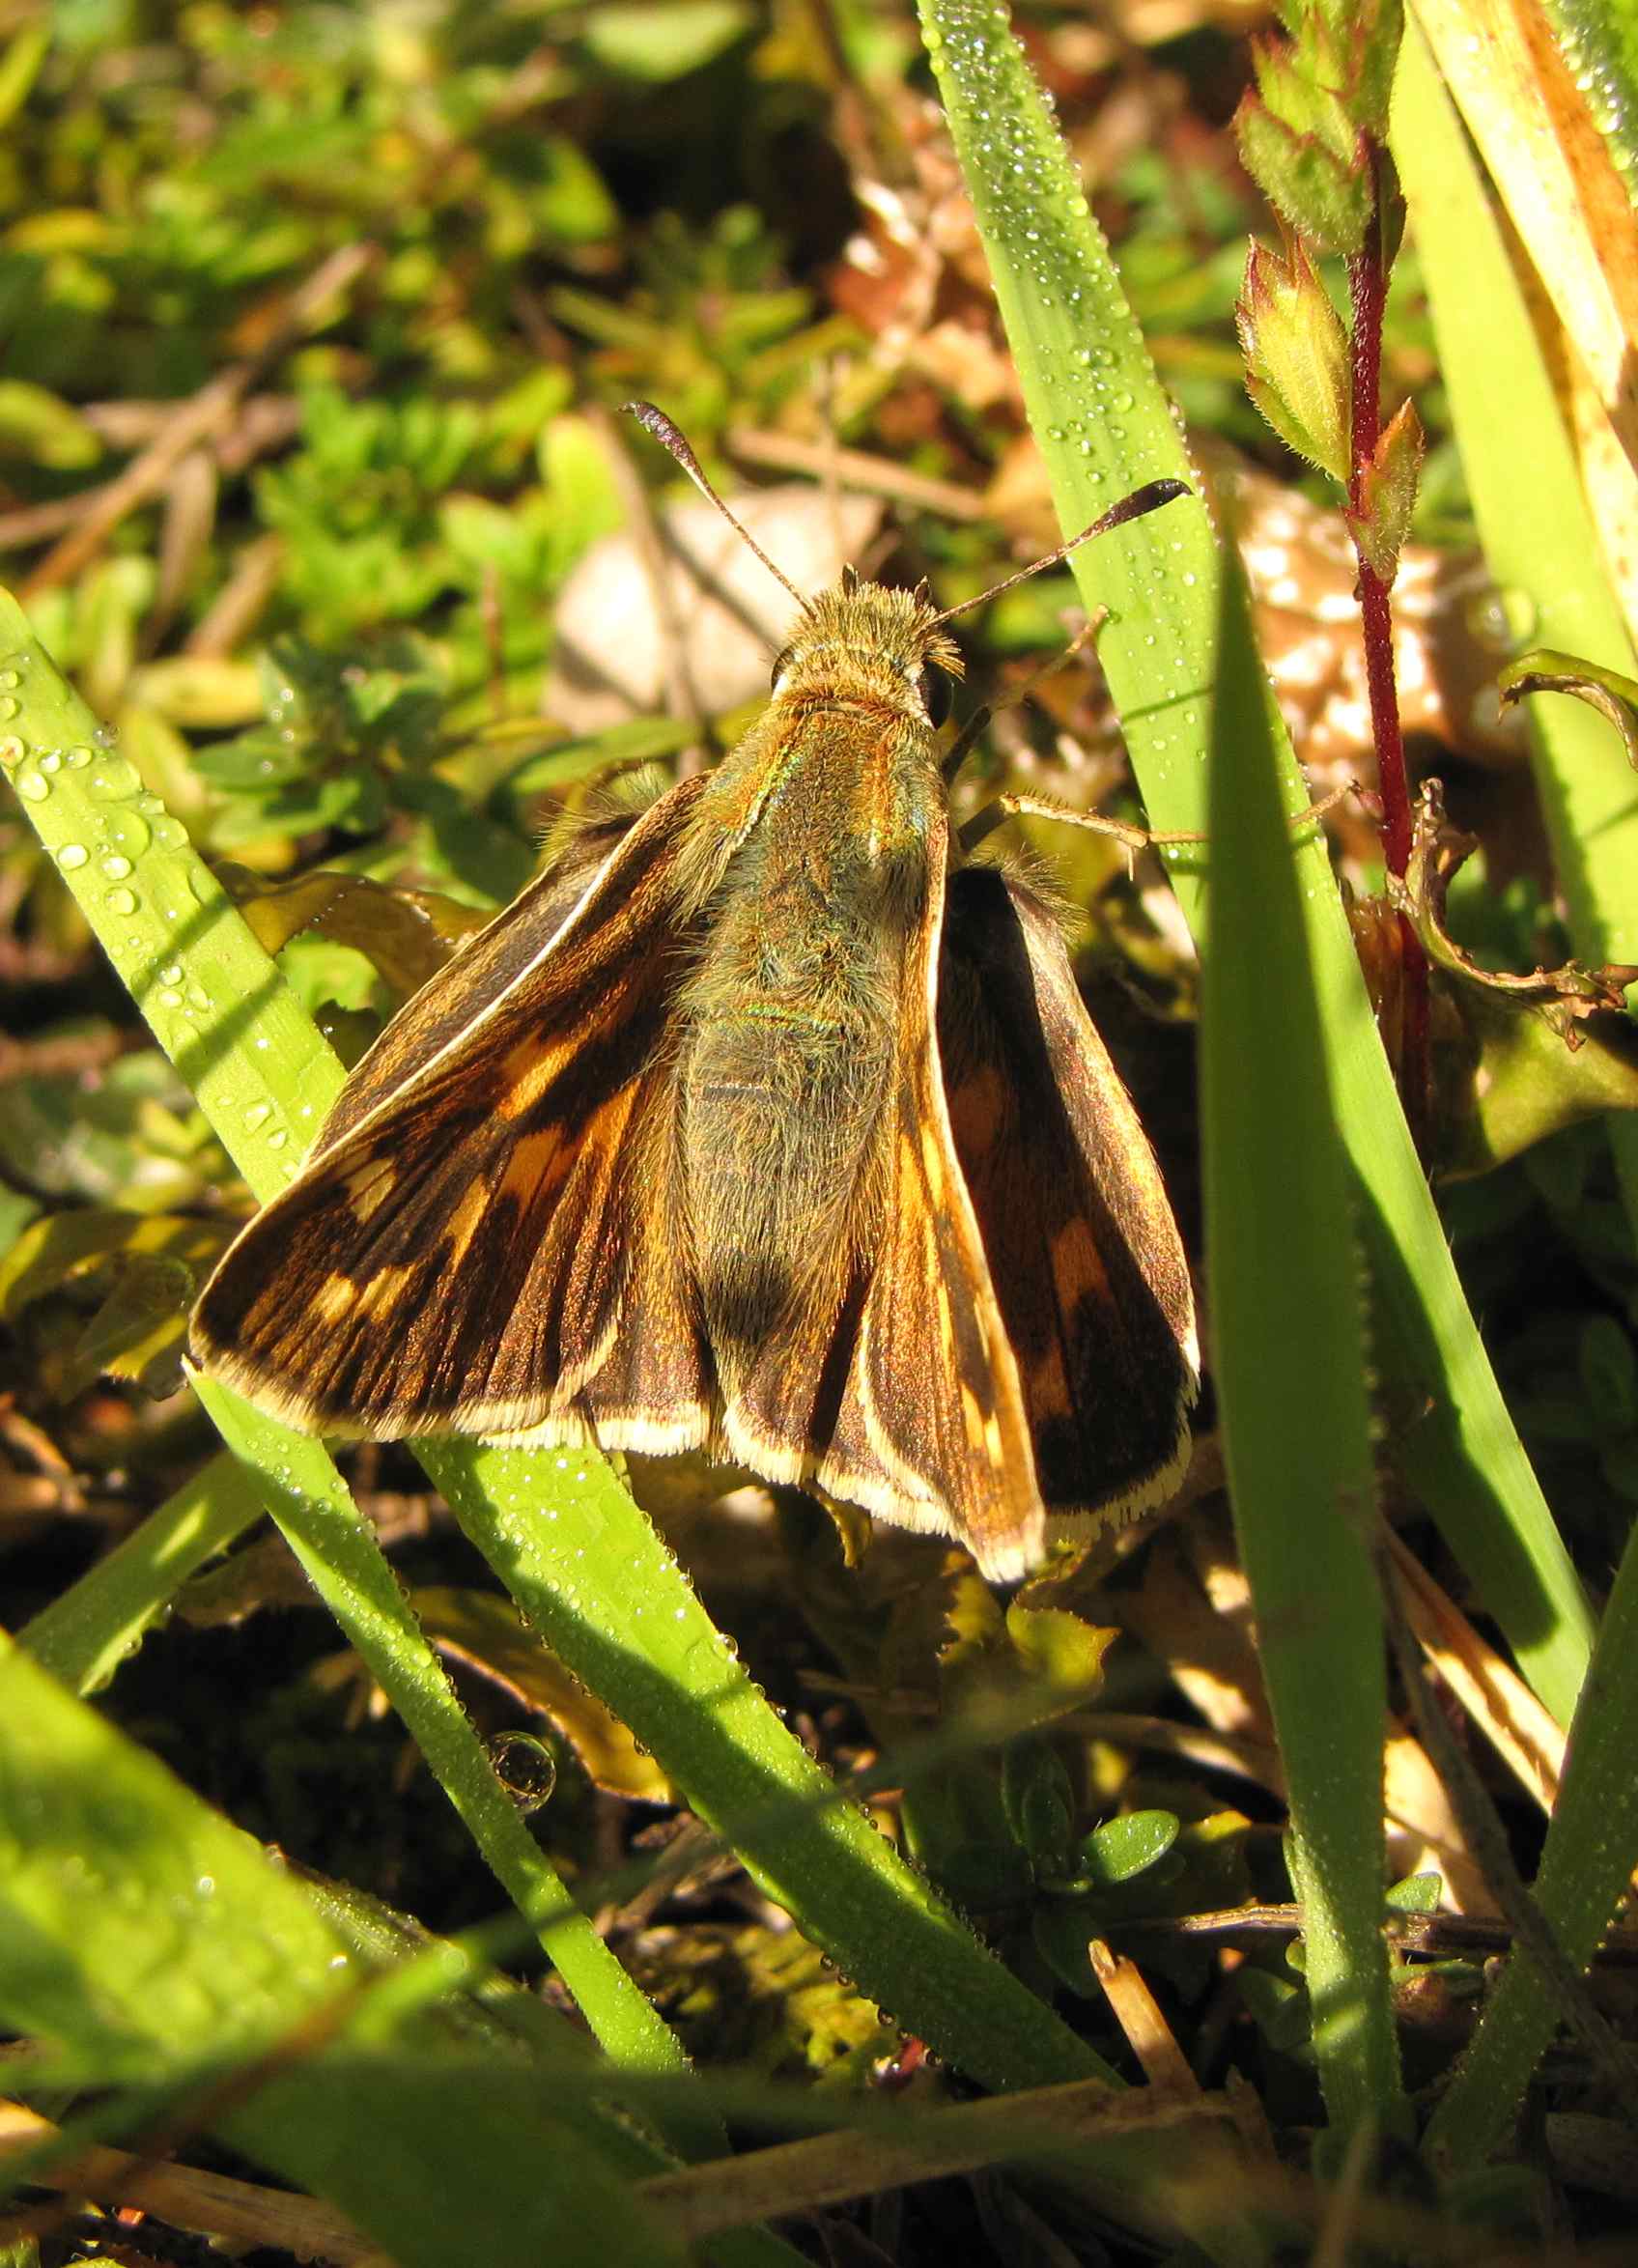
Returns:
point(343, 1563)
point(1541, 546)
point(1586, 1870)
point(632, 1628)
point(147, 1935)
point(85, 1633)
point(265, 1076)
point(1287, 1322)
point(1104, 425)
point(1539, 539)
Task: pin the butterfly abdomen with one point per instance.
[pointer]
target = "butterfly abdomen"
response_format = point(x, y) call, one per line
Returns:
point(785, 1069)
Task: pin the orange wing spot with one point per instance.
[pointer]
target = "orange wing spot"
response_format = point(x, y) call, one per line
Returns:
point(530, 1165)
point(933, 1165)
point(1077, 1265)
point(983, 1438)
point(369, 1186)
point(946, 1318)
point(384, 1294)
point(465, 1222)
point(978, 1108)
point(523, 1076)
point(1046, 1388)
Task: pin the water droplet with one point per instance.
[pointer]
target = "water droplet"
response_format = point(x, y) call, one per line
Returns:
point(106, 736)
point(525, 1768)
point(72, 857)
point(128, 831)
point(9, 705)
point(33, 786)
point(79, 756)
point(124, 901)
point(277, 1139)
point(115, 866)
point(115, 779)
point(257, 1115)
point(170, 999)
point(51, 759)
point(169, 834)
point(12, 749)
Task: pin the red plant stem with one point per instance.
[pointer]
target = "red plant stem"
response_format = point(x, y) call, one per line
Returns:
point(1368, 291)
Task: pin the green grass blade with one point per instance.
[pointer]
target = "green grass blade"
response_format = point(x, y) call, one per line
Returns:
point(148, 1938)
point(1540, 544)
point(342, 1560)
point(83, 1636)
point(1287, 1324)
point(1586, 1870)
point(135, 1919)
point(628, 1623)
point(265, 1078)
point(1534, 522)
point(1102, 424)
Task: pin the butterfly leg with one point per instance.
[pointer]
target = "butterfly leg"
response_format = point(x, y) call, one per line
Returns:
point(1132, 838)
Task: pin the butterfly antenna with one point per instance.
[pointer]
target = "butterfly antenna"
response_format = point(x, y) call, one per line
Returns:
point(656, 422)
point(1147, 498)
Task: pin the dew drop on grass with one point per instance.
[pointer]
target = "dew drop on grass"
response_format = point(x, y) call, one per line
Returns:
point(115, 781)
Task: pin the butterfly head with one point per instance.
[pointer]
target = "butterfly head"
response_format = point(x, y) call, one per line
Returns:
point(863, 645)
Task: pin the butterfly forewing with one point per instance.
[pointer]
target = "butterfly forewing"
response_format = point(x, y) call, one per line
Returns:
point(904, 1384)
point(464, 1246)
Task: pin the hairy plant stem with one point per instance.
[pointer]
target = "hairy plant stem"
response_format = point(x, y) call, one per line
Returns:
point(1368, 293)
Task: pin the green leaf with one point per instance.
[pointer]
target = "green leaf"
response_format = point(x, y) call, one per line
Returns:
point(1127, 1845)
point(1039, 1802)
point(656, 43)
point(1297, 357)
point(160, 1944)
point(1388, 488)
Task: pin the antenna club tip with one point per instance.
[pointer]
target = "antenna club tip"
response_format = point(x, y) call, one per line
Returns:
point(651, 419)
point(1143, 500)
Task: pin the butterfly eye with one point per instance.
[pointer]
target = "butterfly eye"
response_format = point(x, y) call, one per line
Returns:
point(781, 662)
point(934, 687)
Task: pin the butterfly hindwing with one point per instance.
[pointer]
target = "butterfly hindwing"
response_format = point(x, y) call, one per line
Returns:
point(1088, 1270)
